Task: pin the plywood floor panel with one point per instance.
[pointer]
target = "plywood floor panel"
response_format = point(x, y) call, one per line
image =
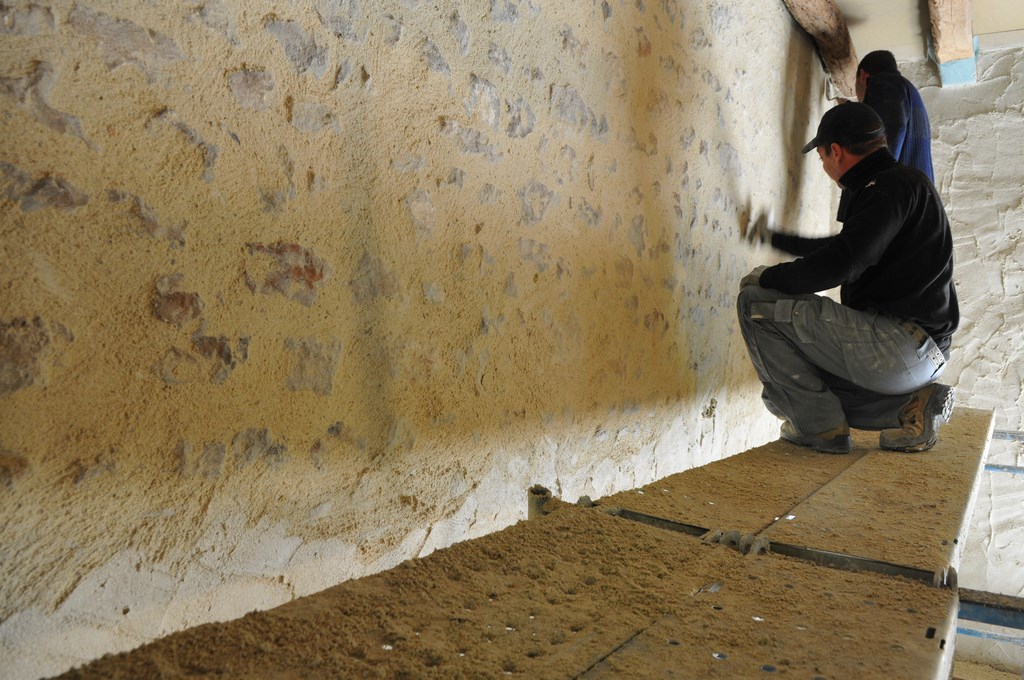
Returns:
point(909, 509)
point(744, 493)
point(777, 616)
point(544, 598)
point(577, 593)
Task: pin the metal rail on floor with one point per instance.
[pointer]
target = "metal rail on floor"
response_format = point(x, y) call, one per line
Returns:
point(975, 605)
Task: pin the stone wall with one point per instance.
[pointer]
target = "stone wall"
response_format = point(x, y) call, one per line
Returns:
point(294, 291)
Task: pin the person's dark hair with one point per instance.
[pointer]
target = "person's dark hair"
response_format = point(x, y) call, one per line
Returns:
point(879, 61)
point(862, 148)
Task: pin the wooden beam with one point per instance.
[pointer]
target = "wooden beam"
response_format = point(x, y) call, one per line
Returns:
point(827, 27)
point(952, 29)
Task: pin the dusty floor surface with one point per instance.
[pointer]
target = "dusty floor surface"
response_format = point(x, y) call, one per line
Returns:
point(732, 494)
point(576, 593)
point(906, 509)
point(583, 593)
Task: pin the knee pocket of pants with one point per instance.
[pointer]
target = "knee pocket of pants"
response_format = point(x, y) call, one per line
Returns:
point(779, 311)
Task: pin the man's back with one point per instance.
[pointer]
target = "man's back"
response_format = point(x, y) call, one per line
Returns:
point(898, 103)
point(894, 254)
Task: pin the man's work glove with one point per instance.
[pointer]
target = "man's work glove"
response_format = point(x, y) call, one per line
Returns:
point(754, 277)
point(759, 230)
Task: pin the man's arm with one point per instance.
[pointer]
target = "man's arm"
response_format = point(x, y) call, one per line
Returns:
point(842, 258)
point(798, 245)
point(762, 230)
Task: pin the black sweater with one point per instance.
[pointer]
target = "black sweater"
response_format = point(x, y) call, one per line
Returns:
point(894, 254)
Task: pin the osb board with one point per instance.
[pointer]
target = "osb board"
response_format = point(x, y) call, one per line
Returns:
point(910, 509)
point(745, 492)
point(777, 616)
point(574, 593)
point(544, 598)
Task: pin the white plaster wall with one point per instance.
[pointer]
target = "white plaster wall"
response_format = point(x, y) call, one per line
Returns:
point(293, 291)
point(978, 151)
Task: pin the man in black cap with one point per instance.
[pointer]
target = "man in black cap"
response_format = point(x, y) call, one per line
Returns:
point(870, 362)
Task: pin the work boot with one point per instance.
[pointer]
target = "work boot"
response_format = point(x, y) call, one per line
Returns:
point(836, 440)
point(920, 418)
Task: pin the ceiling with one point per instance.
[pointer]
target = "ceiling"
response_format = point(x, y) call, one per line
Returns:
point(902, 26)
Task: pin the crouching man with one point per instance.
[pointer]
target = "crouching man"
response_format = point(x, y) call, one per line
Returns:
point(871, 362)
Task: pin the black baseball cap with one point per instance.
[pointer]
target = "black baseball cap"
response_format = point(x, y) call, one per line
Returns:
point(847, 124)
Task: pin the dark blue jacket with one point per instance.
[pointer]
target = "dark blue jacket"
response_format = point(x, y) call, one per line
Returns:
point(898, 103)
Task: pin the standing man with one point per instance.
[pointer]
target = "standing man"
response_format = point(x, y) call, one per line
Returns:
point(898, 103)
point(870, 362)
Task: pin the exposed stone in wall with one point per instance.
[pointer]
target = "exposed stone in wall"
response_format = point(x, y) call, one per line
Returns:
point(174, 305)
point(124, 42)
point(499, 57)
point(32, 92)
point(285, 268)
point(483, 102)
point(207, 151)
point(589, 214)
point(568, 105)
point(30, 348)
point(30, 19)
point(211, 460)
point(536, 253)
point(489, 194)
point(252, 89)
point(456, 177)
point(433, 293)
point(421, 214)
point(275, 199)
point(313, 364)
point(521, 118)
point(85, 469)
point(22, 344)
point(505, 11)
point(206, 462)
point(372, 280)
point(409, 163)
point(178, 367)
point(12, 466)
point(301, 48)
point(208, 358)
point(394, 33)
point(535, 199)
point(342, 432)
point(48, 191)
point(344, 18)
point(314, 117)
point(215, 15)
point(220, 355)
point(146, 220)
point(470, 141)
point(256, 446)
point(435, 60)
point(460, 32)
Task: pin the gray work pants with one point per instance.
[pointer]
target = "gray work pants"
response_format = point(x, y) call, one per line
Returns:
point(823, 364)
